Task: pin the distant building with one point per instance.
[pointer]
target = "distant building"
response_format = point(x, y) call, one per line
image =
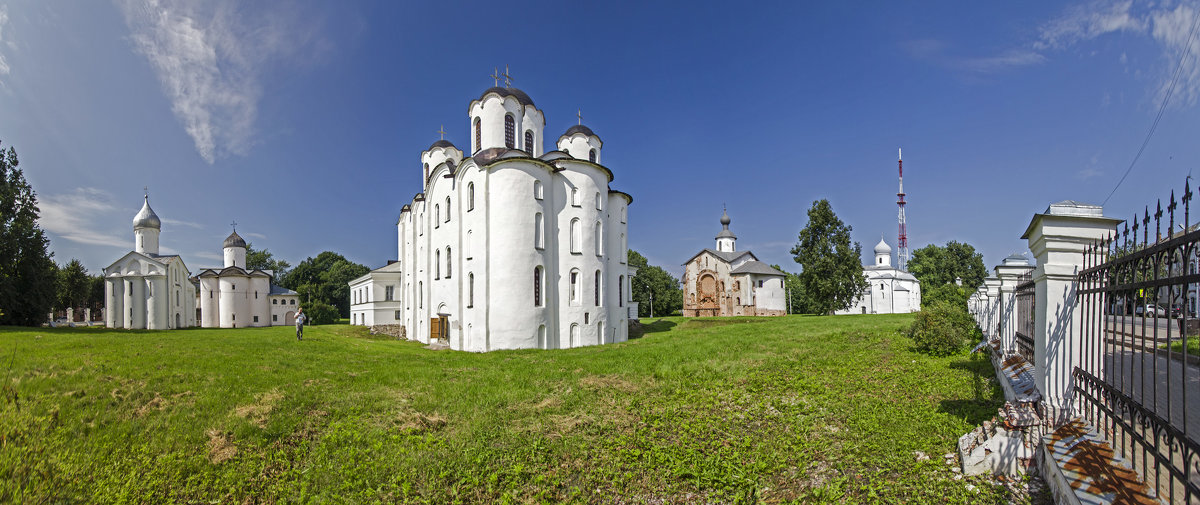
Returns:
point(145, 290)
point(890, 290)
point(728, 282)
point(236, 296)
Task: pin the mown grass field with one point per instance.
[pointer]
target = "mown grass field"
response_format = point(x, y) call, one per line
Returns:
point(768, 410)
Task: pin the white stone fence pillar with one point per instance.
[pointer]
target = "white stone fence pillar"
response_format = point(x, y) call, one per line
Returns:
point(992, 285)
point(1057, 238)
point(1009, 272)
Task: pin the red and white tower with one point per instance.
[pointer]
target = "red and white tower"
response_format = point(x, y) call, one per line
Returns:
point(902, 246)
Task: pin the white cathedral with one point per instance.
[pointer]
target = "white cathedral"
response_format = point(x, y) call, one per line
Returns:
point(514, 247)
point(236, 296)
point(146, 290)
point(890, 290)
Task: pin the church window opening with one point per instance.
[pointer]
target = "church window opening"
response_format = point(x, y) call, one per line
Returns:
point(597, 289)
point(539, 240)
point(449, 263)
point(599, 205)
point(760, 284)
point(470, 290)
point(274, 318)
point(599, 239)
point(576, 245)
point(467, 245)
point(234, 317)
point(256, 295)
point(256, 319)
point(574, 334)
point(398, 316)
point(537, 190)
point(586, 317)
point(388, 292)
point(574, 287)
point(293, 302)
point(575, 197)
point(426, 172)
point(437, 215)
point(529, 141)
point(592, 156)
point(623, 248)
point(447, 209)
point(437, 264)
point(470, 196)
point(478, 135)
point(537, 286)
point(274, 302)
point(210, 295)
point(621, 291)
point(510, 133)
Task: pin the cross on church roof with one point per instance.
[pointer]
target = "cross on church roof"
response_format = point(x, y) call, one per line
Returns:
point(442, 131)
point(234, 225)
point(579, 114)
point(146, 190)
point(495, 76)
point(507, 77)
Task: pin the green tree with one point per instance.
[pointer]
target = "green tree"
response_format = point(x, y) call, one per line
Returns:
point(74, 285)
point(325, 279)
point(264, 260)
point(668, 296)
point(831, 266)
point(28, 277)
point(95, 299)
point(793, 290)
point(936, 266)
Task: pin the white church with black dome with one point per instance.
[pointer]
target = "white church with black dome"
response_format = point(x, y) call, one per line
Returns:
point(515, 246)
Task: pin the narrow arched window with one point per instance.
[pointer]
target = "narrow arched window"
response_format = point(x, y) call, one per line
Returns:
point(470, 196)
point(427, 172)
point(437, 215)
point(529, 141)
point(447, 209)
point(421, 295)
point(597, 289)
point(599, 239)
point(470, 290)
point(449, 263)
point(575, 196)
point(621, 291)
point(467, 245)
point(592, 156)
point(537, 190)
point(537, 286)
point(599, 203)
point(478, 135)
point(576, 239)
point(437, 264)
point(574, 293)
point(510, 132)
point(539, 227)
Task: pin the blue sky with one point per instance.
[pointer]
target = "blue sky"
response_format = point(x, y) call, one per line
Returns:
point(304, 120)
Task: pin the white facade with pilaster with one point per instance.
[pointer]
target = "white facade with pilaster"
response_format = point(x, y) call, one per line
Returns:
point(145, 290)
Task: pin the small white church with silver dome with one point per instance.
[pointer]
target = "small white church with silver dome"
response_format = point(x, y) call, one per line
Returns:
point(145, 290)
point(890, 290)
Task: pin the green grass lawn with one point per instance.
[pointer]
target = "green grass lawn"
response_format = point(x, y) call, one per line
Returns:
point(740, 410)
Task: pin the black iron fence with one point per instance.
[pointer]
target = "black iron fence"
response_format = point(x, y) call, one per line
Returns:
point(1024, 324)
point(1135, 383)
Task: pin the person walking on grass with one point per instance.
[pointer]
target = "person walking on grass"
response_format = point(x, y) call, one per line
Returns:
point(300, 318)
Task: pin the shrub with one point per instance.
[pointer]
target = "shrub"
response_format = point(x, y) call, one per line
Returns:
point(320, 313)
point(942, 328)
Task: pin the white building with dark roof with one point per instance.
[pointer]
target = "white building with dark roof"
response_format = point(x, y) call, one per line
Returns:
point(147, 290)
point(515, 246)
point(236, 296)
point(728, 282)
point(890, 290)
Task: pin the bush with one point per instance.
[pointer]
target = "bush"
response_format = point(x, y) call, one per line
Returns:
point(320, 313)
point(942, 328)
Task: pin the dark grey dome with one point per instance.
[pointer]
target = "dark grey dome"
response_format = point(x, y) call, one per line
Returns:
point(513, 92)
point(725, 218)
point(146, 218)
point(234, 240)
point(440, 143)
point(580, 129)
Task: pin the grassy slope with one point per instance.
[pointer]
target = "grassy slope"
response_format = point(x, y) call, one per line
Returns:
point(698, 411)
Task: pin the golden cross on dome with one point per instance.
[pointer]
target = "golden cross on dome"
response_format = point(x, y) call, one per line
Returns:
point(495, 76)
point(442, 131)
point(507, 77)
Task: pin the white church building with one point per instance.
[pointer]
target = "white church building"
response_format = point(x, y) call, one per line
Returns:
point(236, 296)
point(145, 290)
point(516, 246)
point(890, 290)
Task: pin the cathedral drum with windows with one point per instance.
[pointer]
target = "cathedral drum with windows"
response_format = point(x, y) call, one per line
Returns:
point(514, 247)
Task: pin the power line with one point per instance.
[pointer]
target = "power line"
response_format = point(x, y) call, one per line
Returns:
point(1162, 108)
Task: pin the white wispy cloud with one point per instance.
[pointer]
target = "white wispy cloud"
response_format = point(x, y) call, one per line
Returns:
point(1008, 59)
point(1088, 21)
point(251, 234)
point(77, 216)
point(4, 68)
point(177, 222)
point(210, 57)
point(208, 255)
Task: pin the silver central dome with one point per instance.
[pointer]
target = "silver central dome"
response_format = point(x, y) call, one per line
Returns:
point(146, 218)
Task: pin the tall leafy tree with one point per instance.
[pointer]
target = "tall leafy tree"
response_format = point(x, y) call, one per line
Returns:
point(325, 279)
point(74, 285)
point(264, 260)
point(831, 267)
point(28, 277)
point(793, 290)
point(935, 265)
point(668, 296)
